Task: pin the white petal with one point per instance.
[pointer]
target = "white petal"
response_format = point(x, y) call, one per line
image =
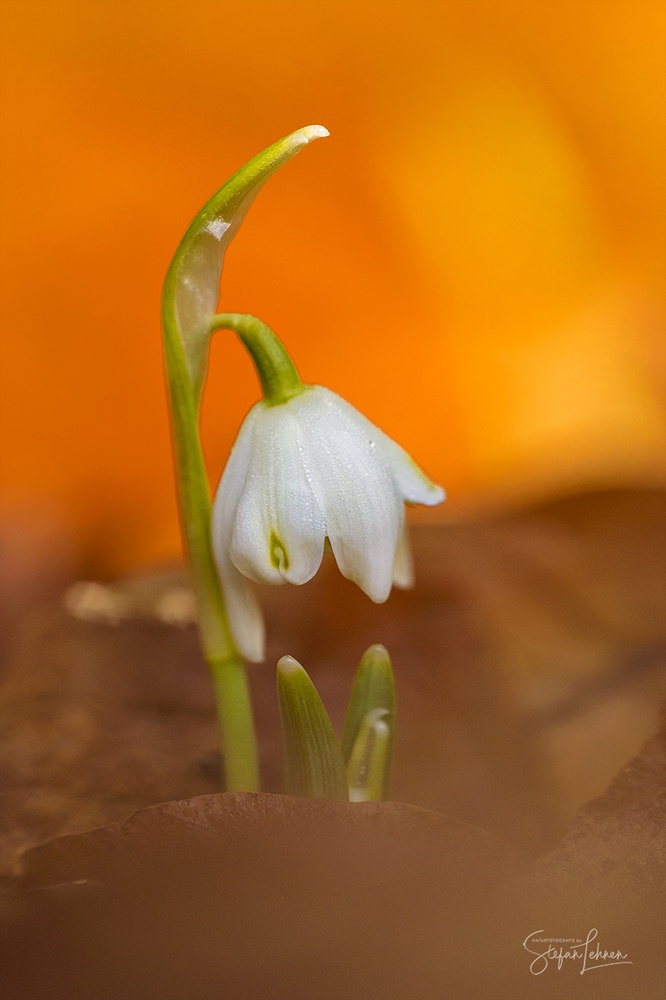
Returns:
point(278, 532)
point(231, 487)
point(244, 613)
point(245, 618)
point(413, 484)
point(352, 481)
point(403, 567)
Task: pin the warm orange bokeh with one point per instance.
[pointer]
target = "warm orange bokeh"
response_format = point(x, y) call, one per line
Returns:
point(475, 257)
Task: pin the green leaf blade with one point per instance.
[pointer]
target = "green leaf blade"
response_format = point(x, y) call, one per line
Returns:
point(313, 762)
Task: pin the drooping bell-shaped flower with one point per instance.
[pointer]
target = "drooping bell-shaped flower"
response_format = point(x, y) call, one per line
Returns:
point(305, 470)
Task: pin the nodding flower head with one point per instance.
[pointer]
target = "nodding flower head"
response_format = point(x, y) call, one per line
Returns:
point(306, 470)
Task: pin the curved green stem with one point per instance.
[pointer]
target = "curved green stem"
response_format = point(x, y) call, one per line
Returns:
point(277, 372)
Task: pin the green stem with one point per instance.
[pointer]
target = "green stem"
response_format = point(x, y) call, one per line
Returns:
point(234, 712)
point(223, 659)
point(277, 372)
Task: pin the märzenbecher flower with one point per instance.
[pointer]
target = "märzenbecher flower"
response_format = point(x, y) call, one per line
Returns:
point(300, 472)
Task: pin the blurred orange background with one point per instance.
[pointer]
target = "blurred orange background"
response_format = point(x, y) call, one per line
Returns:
point(475, 258)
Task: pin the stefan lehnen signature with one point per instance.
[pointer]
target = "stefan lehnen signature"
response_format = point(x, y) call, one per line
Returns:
point(576, 950)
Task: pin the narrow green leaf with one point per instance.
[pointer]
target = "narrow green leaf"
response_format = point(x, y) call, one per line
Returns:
point(192, 285)
point(373, 691)
point(369, 761)
point(313, 763)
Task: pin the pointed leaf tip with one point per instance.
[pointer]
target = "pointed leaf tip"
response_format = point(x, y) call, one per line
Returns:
point(288, 665)
point(192, 285)
point(312, 132)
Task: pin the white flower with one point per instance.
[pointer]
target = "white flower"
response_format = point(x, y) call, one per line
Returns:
point(300, 472)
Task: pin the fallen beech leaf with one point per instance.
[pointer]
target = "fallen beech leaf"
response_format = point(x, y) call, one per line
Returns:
point(252, 895)
point(607, 878)
point(616, 847)
point(257, 895)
